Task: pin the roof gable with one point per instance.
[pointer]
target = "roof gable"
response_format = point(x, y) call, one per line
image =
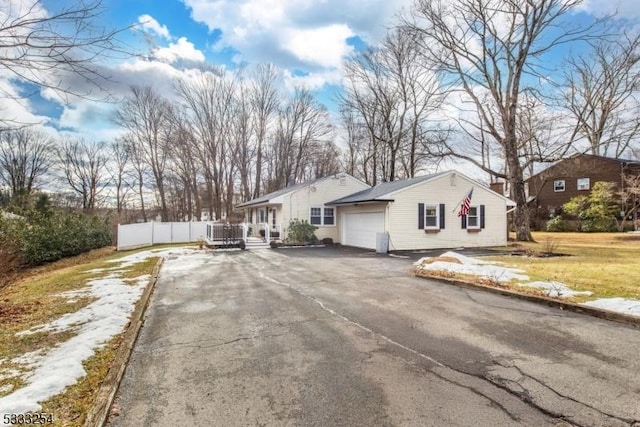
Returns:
point(276, 196)
point(386, 191)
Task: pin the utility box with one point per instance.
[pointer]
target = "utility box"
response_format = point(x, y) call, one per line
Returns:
point(382, 243)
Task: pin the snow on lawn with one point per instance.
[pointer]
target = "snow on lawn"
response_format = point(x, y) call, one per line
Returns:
point(471, 266)
point(457, 263)
point(621, 305)
point(51, 370)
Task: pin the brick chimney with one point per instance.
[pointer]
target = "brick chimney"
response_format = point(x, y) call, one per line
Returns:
point(498, 187)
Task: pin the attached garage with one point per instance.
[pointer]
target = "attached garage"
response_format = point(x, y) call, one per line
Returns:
point(441, 210)
point(360, 228)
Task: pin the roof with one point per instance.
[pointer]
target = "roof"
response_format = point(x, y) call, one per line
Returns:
point(551, 167)
point(382, 192)
point(270, 196)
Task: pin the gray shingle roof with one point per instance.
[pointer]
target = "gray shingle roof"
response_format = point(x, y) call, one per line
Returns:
point(265, 198)
point(380, 193)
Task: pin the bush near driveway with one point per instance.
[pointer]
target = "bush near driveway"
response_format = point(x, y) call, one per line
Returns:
point(39, 238)
point(301, 232)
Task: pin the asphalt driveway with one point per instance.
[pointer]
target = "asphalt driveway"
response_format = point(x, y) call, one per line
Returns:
point(339, 336)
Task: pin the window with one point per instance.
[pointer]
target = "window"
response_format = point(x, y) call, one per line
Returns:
point(558, 185)
point(320, 215)
point(473, 217)
point(583, 184)
point(250, 216)
point(431, 217)
point(328, 218)
point(261, 215)
point(316, 216)
point(273, 217)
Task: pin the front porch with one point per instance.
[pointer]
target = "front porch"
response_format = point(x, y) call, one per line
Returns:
point(243, 235)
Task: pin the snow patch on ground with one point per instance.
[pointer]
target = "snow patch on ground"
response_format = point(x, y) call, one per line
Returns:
point(496, 271)
point(51, 370)
point(556, 289)
point(620, 305)
point(472, 266)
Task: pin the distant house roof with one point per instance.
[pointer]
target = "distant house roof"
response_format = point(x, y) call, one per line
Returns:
point(577, 156)
point(271, 196)
point(382, 192)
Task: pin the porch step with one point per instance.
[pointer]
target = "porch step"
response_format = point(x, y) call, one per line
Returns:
point(253, 244)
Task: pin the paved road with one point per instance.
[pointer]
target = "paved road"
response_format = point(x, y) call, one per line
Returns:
point(341, 337)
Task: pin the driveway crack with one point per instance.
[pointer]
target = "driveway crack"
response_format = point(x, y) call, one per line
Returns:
point(523, 395)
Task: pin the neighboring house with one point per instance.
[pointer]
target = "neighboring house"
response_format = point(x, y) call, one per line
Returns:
point(422, 213)
point(574, 176)
point(306, 201)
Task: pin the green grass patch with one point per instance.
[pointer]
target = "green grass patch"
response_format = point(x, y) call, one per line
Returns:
point(603, 263)
point(34, 299)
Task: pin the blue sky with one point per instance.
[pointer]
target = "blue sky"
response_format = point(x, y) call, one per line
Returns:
point(307, 39)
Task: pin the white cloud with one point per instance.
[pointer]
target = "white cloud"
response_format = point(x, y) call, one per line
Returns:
point(150, 24)
point(183, 49)
point(325, 46)
point(312, 81)
point(629, 9)
point(307, 34)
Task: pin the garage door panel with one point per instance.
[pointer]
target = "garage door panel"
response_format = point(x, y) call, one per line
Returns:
point(360, 229)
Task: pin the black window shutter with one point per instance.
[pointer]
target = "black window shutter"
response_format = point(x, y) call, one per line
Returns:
point(441, 216)
point(464, 221)
point(481, 216)
point(420, 216)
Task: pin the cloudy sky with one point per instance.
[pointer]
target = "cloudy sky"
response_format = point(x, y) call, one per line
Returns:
point(307, 39)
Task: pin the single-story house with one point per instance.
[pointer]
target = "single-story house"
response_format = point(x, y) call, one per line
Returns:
point(416, 213)
point(422, 213)
point(306, 201)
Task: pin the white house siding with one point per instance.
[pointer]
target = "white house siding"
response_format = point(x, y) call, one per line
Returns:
point(402, 216)
point(298, 204)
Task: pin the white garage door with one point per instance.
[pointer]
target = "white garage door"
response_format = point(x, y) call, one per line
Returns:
point(359, 229)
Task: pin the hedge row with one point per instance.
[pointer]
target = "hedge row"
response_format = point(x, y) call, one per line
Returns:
point(39, 239)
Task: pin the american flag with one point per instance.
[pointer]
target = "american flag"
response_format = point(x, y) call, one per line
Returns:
point(466, 204)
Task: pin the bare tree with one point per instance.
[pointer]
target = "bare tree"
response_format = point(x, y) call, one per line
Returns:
point(242, 147)
point(54, 45)
point(140, 166)
point(264, 101)
point(629, 199)
point(602, 96)
point(489, 54)
point(302, 123)
point(185, 168)
point(208, 99)
point(25, 157)
point(392, 92)
point(120, 156)
point(147, 117)
point(84, 167)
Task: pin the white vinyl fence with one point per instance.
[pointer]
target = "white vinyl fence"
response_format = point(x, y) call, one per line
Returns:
point(149, 233)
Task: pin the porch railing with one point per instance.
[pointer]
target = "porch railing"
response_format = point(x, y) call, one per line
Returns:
point(265, 231)
point(226, 233)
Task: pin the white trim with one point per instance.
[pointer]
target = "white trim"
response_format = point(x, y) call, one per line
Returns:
point(322, 215)
point(588, 184)
point(477, 216)
point(436, 207)
point(564, 185)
